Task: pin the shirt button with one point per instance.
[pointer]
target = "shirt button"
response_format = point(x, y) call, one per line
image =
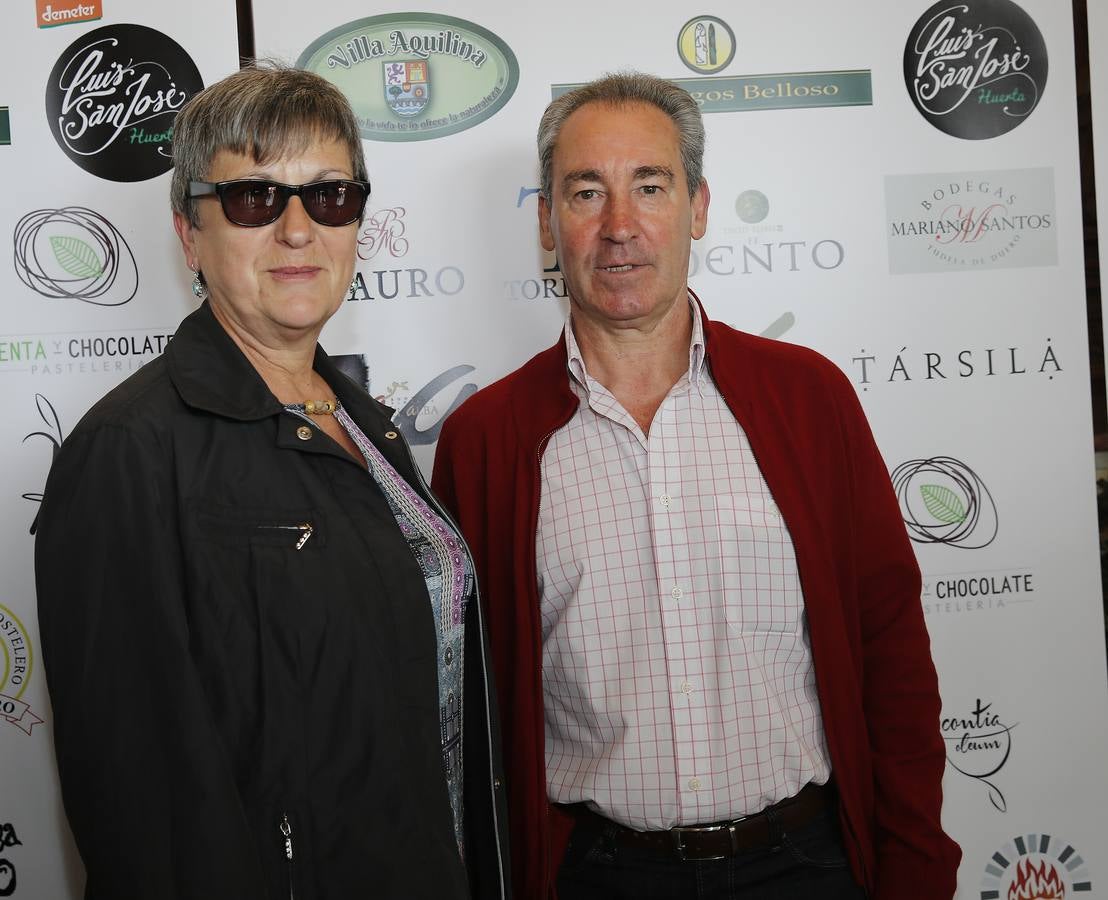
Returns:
point(304, 433)
point(665, 500)
point(677, 593)
point(686, 687)
point(694, 784)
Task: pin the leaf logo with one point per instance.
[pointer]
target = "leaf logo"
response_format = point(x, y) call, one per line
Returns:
point(943, 503)
point(75, 253)
point(76, 257)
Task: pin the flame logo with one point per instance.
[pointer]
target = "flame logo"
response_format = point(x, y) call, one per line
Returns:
point(1036, 883)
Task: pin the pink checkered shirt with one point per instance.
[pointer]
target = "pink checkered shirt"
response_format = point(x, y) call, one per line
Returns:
point(677, 675)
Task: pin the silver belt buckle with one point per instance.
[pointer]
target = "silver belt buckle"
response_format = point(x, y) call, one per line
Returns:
point(678, 832)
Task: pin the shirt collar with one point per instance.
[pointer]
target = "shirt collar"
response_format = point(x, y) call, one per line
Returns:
point(576, 362)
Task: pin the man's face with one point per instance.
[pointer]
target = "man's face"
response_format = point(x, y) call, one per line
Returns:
point(619, 215)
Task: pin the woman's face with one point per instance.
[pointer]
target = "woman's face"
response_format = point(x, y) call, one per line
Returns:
point(276, 283)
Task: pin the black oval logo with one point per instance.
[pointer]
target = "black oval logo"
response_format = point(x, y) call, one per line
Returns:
point(976, 69)
point(112, 98)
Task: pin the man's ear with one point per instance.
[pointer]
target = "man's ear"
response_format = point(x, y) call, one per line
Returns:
point(700, 201)
point(546, 236)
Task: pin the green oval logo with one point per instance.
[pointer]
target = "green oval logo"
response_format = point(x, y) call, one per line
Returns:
point(415, 76)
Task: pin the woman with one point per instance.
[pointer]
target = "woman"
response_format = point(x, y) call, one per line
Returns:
point(255, 617)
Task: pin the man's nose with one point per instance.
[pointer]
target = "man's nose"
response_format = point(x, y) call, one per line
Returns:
point(620, 223)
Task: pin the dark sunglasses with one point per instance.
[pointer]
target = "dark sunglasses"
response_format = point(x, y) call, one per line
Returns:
point(252, 202)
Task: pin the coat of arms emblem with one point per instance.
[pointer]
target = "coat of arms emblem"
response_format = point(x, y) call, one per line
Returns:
point(407, 86)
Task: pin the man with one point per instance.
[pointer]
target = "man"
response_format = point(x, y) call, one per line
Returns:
point(714, 673)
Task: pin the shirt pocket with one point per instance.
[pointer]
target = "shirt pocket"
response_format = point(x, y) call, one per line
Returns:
point(761, 586)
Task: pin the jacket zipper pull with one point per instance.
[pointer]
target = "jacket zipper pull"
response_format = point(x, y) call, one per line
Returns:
point(286, 833)
point(306, 530)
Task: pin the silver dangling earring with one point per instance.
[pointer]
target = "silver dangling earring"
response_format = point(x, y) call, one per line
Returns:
point(199, 289)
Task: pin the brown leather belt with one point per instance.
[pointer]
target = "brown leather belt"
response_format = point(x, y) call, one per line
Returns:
point(722, 839)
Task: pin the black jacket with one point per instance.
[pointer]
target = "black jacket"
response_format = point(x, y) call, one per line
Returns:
point(239, 644)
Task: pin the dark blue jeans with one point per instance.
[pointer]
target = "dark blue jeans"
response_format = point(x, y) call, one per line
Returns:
point(805, 864)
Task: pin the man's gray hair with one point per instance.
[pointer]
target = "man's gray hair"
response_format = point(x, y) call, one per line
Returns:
point(622, 89)
point(267, 111)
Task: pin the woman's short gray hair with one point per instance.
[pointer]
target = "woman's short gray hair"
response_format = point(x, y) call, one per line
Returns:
point(621, 89)
point(267, 111)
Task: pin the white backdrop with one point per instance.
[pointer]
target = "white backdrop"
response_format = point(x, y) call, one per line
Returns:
point(69, 231)
point(968, 348)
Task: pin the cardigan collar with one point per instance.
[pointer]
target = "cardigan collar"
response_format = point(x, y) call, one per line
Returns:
point(545, 402)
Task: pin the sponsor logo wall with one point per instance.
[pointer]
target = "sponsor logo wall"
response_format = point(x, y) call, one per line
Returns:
point(892, 184)
point(93, 287)
point(901, 196)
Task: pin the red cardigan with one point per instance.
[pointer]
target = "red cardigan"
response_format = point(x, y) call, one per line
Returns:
point(877, 686)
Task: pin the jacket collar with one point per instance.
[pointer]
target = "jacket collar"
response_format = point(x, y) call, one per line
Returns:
point(211, 374)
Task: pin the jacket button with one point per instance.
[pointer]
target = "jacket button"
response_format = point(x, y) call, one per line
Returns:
point(496, 783)
point(391, 435)
point(304, 433)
